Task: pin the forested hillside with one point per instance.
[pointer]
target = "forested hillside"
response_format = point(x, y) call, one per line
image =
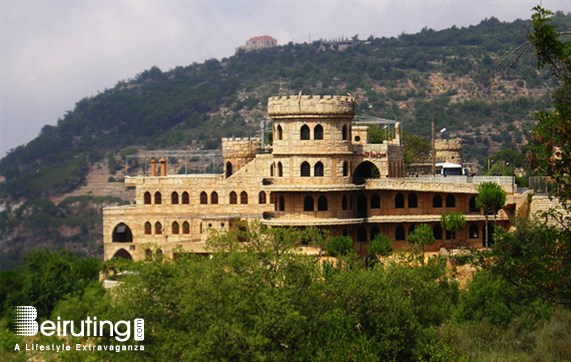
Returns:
point(463, 78)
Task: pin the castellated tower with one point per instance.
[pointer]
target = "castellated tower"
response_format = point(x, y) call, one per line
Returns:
point(237, 152)
point(321, 171)
point(448, 150)
point(312, 138)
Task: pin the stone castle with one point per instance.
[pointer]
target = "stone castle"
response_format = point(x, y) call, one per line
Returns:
point(320, 171)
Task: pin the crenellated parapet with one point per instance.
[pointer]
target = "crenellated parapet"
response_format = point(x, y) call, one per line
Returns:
point(448, 150)
point(311, 106)
point(240, 147)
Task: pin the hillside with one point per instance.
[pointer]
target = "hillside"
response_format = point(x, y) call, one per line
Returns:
point(455, 76)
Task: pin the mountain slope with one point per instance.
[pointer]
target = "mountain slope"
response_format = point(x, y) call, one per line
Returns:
point(449, 76)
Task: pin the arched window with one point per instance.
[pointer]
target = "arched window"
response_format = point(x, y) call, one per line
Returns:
point(122, 234)
point(308, 203)
point(228, 169)
point(261, 197)
point(318, 169)
point(304, 132)
point(158, 198)
point(203, 198)
point(412, 201)
point(374, 232)
point(281, 204)
point(148, 228)
point(449, 234)
point(322, 203)
point(272, 170)
point(345, 168)
point(472, 205)
point(175, 227)
point(450, 201)
point(147, 198)
point(375, 201)
point(344, 205)
point(411, 229)
point(474, 231)
point(158, 228)
point(399, 201)
point(399, 233)
point(243, 197)
point(344, 132)
point(437, 201)
point(185, 198)
point(305, 169)
point(174, 198)
point(213, 197)
point(437, 232)
point(185, 227)
point(279, 132)
point(318, 132)
point(233, 198)
point(280, 170)
point(362, 234)
point(148, 254)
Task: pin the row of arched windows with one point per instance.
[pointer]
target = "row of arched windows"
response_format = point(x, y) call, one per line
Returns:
point(305, 169)
point(176, 228)
point(305, 132)
point(437, 201)
point(400, 232)
point(184, 198)
point(157, 198)
point(309, 203)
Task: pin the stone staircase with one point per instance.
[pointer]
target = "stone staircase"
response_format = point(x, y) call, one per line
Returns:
point(542, 203)
point(97, 184)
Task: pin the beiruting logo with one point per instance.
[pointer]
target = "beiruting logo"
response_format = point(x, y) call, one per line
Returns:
point(25, 324)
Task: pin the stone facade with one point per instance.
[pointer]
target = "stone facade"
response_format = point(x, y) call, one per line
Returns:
point(320, 171)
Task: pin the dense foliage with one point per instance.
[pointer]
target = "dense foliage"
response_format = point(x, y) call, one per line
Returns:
point(551, 147)
point(259, 298)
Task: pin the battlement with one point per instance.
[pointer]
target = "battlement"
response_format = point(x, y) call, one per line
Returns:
point(448, 145)
point(311, 106)
point(240, 147)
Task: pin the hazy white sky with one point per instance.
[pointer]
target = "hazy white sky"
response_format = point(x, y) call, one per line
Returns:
point(53, 53)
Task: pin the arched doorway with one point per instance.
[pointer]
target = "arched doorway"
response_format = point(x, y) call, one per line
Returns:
point(122, 234)
point(122, 254)
point(228, 169)
point(365, 170)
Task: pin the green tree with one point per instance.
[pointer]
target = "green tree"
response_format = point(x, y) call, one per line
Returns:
point(491, 197)
point(452, 222)
point(380, 245)
point(416, 148)
point(536, 258)
point(421, 235)
point(49, 275)
point(339, 245)
point(550, 146)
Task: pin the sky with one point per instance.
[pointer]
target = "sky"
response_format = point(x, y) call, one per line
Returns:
point(54, 53)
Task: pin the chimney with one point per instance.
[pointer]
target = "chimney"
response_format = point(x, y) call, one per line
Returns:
point(163, 166)
point(153, 167)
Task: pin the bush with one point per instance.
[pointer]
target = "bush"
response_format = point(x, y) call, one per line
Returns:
point(380, 245)
point(493, 299)
point(339, 246)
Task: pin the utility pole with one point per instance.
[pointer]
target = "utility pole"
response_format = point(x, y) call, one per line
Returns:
point(432, 132)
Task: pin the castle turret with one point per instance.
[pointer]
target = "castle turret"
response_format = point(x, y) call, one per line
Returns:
point(237, 152)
